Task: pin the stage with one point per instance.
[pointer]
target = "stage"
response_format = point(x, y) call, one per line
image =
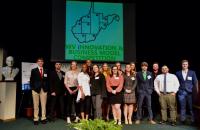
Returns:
point(27, 124)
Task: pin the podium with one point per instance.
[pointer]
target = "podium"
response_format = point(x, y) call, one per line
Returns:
point(7, 101)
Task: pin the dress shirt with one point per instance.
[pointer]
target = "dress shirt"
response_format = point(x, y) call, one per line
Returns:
point(184, 73)
point(83, 81)
point(172, 83)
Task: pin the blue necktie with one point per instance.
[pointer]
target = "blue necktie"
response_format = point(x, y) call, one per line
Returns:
point(165, 82)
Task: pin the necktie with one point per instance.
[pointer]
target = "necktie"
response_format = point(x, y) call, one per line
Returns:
point(144, 75)
point(41, 73)
point(165, 82)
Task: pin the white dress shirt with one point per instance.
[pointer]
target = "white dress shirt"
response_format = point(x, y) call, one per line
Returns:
point(172, 83)
point(83, 81)
point(184, 73)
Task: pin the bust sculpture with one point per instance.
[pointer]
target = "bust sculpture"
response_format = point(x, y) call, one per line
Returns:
point(9, 72)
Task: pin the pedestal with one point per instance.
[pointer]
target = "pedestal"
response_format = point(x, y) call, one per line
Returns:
point(8, 100)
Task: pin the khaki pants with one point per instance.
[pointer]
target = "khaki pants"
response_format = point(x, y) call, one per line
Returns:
point(42, 98)
point(168, 101)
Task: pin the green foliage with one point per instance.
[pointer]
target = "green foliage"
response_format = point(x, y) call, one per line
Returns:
point(96, 124)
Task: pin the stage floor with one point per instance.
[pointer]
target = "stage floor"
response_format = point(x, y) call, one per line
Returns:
point(26, 124)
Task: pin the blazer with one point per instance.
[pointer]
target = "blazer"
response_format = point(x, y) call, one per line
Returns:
point(37, 82)
point(98, 85)
point(144, 86)
point(56, 84)
point(187, 84)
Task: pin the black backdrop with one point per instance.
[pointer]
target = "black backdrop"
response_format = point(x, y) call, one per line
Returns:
point(165, 31)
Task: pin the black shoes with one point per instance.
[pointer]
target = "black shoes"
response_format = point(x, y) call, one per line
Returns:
point(43, 121)
point(183, 122)
point(35, 122)
point(163, 122)
point(173, 123)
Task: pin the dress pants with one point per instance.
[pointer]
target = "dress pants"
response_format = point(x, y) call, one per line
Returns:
point(141, 98)
point(39, 98)
point(185, 98)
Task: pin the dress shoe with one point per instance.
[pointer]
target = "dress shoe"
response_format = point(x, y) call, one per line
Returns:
point(137, 122)
point(35, 122)
point(183, 122)
point(152, 122)
point(163, 122)
point(68, 120)
point(126, 122)
point(43, 121)
point(173, 123)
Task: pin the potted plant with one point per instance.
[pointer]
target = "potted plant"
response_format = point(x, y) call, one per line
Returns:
point(96, 124)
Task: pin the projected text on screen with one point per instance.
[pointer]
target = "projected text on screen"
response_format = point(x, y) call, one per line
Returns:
point(94, 31)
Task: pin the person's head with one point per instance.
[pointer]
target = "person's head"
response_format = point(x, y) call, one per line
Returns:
point(104, 67)
point(114, 71)
point(133, 68)
point(185, 64)
point(40, 61)
point(165, 69)
point(118, 64)
point(144, 66)
point(88, 62)
point(128, 68)
point(155, 66)
point(96, 68)
point(84, 68)
point(73, 65)
point(58, 66)
point(9, 61)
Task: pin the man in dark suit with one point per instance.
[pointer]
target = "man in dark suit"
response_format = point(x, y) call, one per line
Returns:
point(57, 88)
point(155, 97)
point(39, 86)
point(144, 91)
point(188, 81)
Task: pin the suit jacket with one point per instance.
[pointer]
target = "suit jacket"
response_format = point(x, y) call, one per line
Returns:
point(187, 84)
point(144, 86)
point(37, 82)
point(57, 84)
point(98, 85)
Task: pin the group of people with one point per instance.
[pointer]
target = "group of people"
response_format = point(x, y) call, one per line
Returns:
point(95, 90)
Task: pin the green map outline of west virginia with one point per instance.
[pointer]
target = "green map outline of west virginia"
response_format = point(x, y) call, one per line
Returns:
point(84, 29)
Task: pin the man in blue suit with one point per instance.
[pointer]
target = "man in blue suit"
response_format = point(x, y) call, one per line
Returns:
point(144, 91)
point(188, 82)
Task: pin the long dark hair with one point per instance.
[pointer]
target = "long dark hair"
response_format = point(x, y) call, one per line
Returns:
point(111, 75)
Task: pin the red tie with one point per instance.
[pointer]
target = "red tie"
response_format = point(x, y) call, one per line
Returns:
point(41, 73)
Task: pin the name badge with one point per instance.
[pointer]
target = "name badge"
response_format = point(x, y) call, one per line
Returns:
point(132, 78)
point(149, 77)
point(45, 75)
point(116, 77)
point(96, 77)
point(189, 78)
